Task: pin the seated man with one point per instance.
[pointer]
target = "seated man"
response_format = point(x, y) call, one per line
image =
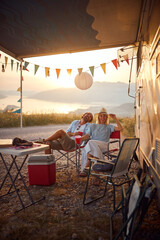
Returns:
point(62, 140)
point(99, 135)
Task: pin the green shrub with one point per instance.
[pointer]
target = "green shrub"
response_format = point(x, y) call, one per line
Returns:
point(8, 120)
point(128, 127)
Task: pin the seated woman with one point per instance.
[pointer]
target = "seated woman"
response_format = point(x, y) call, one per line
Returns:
point(99, 135)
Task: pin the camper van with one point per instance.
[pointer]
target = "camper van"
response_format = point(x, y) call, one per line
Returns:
point(147, 104)
point(147, 95)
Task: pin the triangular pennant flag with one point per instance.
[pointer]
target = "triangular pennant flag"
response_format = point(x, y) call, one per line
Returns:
point(25, 66)
point(6, 60)
point(47, 71)
point(126, 58)
point(35, 68)
point(80, 70)
point(58, 72)
point(19, 100)
point(92, 70)
point(115, 63)
point(12, 64)
point(17, 111)
point(19, 89)
point(17, 65)
point(103, 66)
point(69, 72)
point(3, 70)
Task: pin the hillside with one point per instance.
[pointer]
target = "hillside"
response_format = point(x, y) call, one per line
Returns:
point(112, 94)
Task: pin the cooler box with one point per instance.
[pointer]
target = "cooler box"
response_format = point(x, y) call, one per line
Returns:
point(41, 169)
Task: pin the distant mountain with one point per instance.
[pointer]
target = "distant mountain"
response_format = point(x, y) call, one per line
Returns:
point(113, 94)
point(2, 95)
point(6, 93)
point(9, 108)
point(124, 110)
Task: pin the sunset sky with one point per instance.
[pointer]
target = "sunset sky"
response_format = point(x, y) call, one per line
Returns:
point(10, 79)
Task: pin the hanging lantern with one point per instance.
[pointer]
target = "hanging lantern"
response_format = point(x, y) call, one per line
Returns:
point(83, 81)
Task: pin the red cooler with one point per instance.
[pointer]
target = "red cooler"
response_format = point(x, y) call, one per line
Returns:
point(42, 169)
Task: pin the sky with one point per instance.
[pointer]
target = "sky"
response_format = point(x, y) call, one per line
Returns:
point(10, 79)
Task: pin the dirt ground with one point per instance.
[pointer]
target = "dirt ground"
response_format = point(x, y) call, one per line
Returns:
point(62, 215)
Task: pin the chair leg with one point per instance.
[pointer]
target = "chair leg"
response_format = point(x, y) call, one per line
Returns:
point(114, 197)
point(86, 188)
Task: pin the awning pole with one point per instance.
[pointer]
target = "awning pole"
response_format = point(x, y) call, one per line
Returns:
point(21, 77)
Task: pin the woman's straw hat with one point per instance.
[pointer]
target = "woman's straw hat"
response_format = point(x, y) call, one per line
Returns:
point(103, 111)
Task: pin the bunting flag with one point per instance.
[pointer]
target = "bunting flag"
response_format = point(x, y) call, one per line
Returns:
point(47, 71)
point(115, 63)
point(3, 70)
point(92, 70)
point(17, 65)
point(35, 68)
point(19, 100)
point(6, 61)
point(118, 63)
point(58, 72)
point(12, 64)
point(69, 72)
point(126, 58)
point(103, 66)
point(19, 89)
point(80, 70)
point(17, 111)
point(25, 66)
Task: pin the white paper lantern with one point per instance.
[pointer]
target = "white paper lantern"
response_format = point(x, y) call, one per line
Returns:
point(83, 81)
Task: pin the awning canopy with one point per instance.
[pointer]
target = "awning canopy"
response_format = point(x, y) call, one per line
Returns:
point(38, 27)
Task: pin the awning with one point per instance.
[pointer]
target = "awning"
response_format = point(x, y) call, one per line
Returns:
point(38, 27)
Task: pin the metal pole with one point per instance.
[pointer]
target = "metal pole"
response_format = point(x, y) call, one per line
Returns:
point(21, 77)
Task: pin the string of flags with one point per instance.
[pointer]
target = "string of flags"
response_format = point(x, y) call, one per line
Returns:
point(58, 70)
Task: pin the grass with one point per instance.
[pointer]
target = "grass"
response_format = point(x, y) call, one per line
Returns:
point(60, 216)
point(8, 120)
point(13, 119)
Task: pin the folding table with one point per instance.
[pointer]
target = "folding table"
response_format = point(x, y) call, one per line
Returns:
point(14, 153)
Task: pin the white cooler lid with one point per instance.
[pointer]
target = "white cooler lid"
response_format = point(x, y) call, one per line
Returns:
point(45, 159)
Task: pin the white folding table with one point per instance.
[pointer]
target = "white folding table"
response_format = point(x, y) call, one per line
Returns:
point(14, 153)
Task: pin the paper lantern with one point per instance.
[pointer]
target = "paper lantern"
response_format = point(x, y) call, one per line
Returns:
point(83, 81)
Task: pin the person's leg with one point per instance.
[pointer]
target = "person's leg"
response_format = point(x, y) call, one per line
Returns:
point(88, 161)
point(48, 151)
point(58, 134)
point(94, 149)
point(64, 142)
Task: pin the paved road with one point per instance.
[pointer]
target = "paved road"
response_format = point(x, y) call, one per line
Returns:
point(31, 133)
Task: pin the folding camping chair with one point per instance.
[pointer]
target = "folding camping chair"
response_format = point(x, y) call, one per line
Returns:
point(113, 145)
point(134, 205)
point(157, 155)
point(119, 168)
point(71, 156)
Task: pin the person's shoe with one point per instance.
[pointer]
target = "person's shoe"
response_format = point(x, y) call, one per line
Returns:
point(83, 174)
point(41, 140)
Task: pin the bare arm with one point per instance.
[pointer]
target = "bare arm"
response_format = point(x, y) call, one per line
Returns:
point(119, 126)
point(85, 137)
point(72, 134)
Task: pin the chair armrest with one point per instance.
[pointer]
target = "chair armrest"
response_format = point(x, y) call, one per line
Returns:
point(113, 141)
point(101, 160)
